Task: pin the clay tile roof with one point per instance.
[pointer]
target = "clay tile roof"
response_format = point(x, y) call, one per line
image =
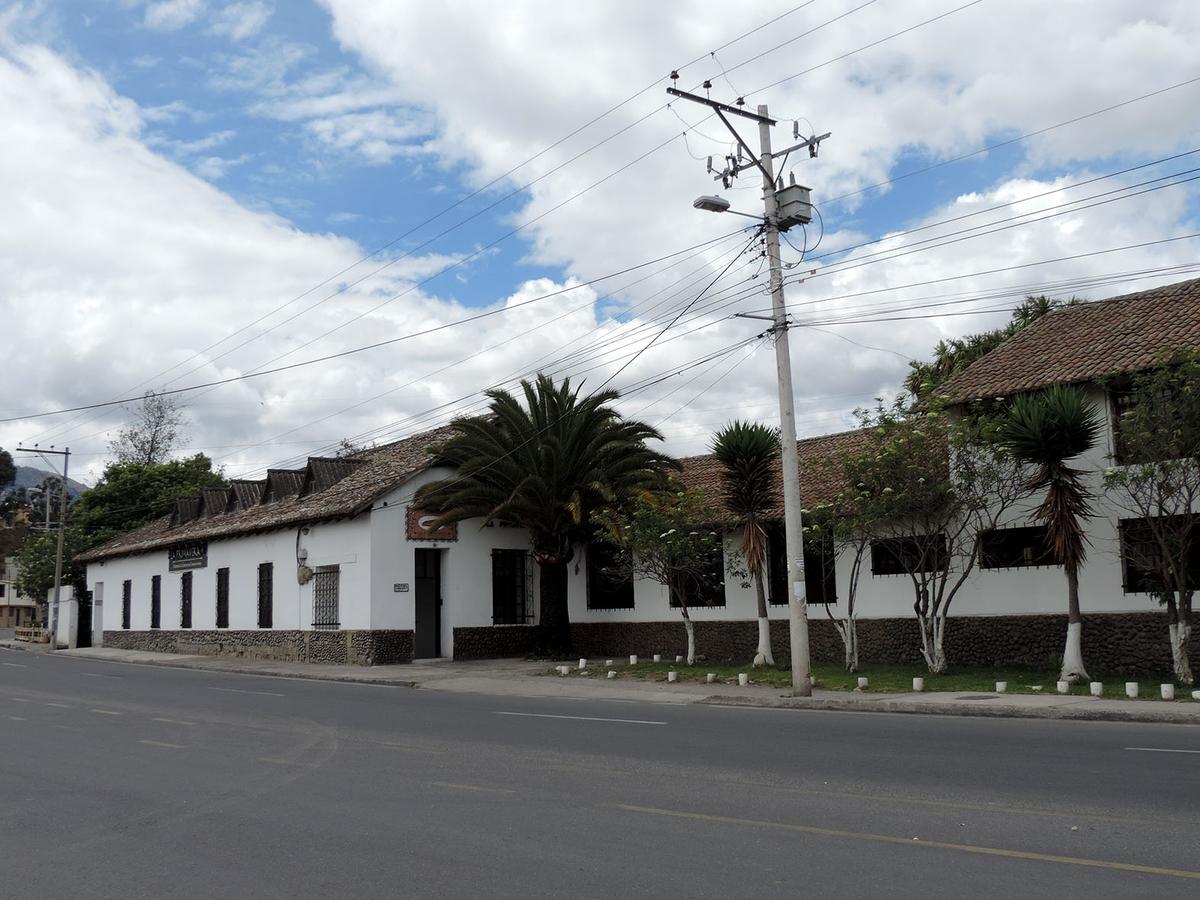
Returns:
point(379, 470)
point(186, 509)
point(323, 472)
point(820, 472)
point(1085, 342)
point(244, 494)
point(213, 501)
point(282, 484)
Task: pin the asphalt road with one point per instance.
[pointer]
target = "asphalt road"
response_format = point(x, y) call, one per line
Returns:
point(134, 781)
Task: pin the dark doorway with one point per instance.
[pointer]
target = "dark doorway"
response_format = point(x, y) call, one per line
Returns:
point(428, 600)
point(84, 636)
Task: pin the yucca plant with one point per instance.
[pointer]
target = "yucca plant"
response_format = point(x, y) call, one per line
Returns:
point(545, 465)
point(1046, 431)
point(749, 456)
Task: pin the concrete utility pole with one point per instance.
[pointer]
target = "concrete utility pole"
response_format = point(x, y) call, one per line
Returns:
point(52, 612)
point(795, 210)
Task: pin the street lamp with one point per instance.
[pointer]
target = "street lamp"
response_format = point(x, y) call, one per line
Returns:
point(709, 203)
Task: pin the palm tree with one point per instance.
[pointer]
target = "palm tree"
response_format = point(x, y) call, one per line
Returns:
point(545, 466)
point(1046, 431)
point(749, 457)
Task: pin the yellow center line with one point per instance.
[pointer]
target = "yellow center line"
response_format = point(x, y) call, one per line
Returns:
point(105, 712)
point(472, 787)
point(163, 744)
point(915, 842)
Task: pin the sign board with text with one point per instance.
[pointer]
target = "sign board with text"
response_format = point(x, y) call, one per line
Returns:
point(187, 556)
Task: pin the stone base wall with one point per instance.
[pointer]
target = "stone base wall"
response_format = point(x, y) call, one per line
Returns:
point(357, 648)
point(493, 642)
point(1117, 643)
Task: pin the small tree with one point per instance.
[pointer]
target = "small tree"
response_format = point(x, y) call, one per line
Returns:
point(659, 537)
point(1157, 481)
point(1046, 431)
point(926, 486)
point(846, 523)
point(749, 457)
point(8, 470)
point(156, 428)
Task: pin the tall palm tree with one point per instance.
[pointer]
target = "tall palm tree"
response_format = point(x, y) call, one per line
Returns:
point(749, 457)
point(1046, 431)
point(546, 466)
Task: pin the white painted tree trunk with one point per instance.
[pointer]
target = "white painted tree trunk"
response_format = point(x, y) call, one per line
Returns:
point(847, 630)
point(933, 629)
point(1180, 639)
point(691, 641)
point(764, 624)
point(1072, 667)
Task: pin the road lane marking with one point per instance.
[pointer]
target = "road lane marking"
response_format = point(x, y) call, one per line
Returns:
point(405, 748)
point(1160, 750)
point(163, 744)
point(16, 718)
point(472, 787)
point(105, 712)
point(18, 699)
point(173, 721)
point(98, 675)
point(276, 761)
point(915, 842)
point(59, 705)
point(236, 691)
point(582, 718)
point(15, 665)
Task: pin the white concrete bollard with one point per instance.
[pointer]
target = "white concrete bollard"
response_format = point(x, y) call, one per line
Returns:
point(862, 683)
point(712, 677)
point(612, 674)
point(743, 679)
point(1131, 690)
point(563, 670)
point(633, 659)
point(658, 657)
point(678, 659)
point(1063, 687)
point(918, 685)
point(1097, 688)
point(1196, 695)
point(1001, 687)
point(582, 663)
point(608, 662)
point(1168, 691)
point(672, 677)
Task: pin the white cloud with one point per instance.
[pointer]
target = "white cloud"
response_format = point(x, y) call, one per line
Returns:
point(239, 21)
point(171, 15)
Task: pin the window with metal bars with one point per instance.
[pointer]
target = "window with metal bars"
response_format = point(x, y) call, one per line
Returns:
point(222, 598)
point(909, 555)
point(512, 587)
point(609, 584)
point(266, 578)
point(1016, 548)
point(325, 598)
point(820, 568)
point(185, 600)
point(156, 601)
point(710, 590)
point(1142, 561)
point(126, 604)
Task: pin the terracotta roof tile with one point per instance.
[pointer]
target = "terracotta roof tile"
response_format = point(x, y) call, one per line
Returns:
point(1086, 342)
point(377, 471)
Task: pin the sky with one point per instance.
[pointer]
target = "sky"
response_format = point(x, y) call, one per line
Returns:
point(200, 190)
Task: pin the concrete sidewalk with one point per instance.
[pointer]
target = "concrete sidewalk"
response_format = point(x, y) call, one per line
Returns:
point(527, 678)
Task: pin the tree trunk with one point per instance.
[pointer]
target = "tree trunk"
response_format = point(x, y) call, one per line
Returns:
point(932, 631)
point(764, 624)
point(848, 629)
point(1072, 665)
point(555, 619)
point(1180, 630)
point(691, 636)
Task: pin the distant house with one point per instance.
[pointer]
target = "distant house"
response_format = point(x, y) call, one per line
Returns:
point(332, 562)
point(15, 611)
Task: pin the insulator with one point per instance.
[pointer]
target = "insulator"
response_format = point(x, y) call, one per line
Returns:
point(795, 125)
point(710, 168)
point(707, 85)
point(741, 101)
point(674, 75)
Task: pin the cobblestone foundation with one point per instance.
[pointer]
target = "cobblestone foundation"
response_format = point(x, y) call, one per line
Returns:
point(358, 648)
point(1115, 643)
point(495, 641)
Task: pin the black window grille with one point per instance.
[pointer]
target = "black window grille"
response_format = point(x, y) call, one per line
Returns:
point(126, 605)
point(1016, 548)
point(185, 600)
point(266, 578)
point(512, 587)
point(820, 569)
point(710, 589)
point(222, 598)
point(1141, 554)
point(909, 555)
point(325, 598)
point(156, 601)
point(609, 586)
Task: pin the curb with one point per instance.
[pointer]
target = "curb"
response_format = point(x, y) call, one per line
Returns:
point(235, 670)
point(1165, 717)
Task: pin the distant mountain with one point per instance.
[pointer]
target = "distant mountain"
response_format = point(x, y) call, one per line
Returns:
point(28, 477)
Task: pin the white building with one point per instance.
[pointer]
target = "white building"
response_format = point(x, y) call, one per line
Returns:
point(333, 563)
point(15, 611)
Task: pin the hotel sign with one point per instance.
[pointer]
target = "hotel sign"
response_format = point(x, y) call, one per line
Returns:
point(419, 527)
point(187, 556)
